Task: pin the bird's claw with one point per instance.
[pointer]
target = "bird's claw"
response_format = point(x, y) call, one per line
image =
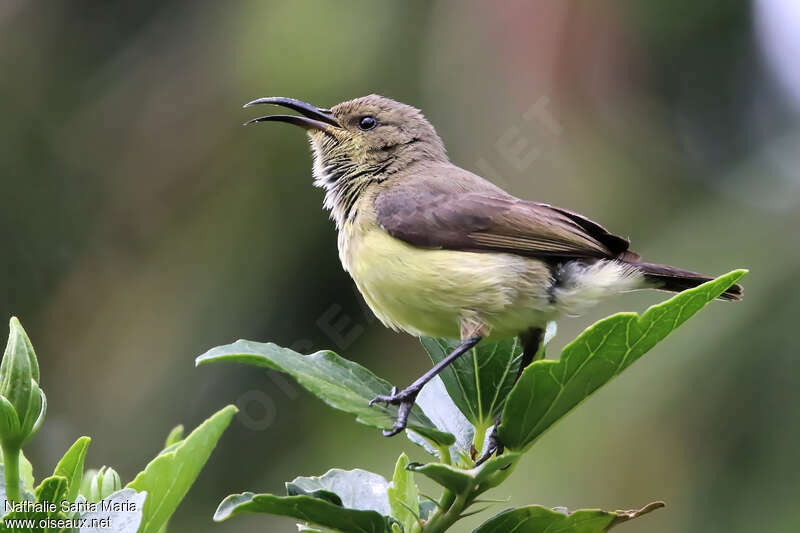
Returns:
point(494, 446)
point(490, 450)
point(387, 399)
point(405, 400)
point(396, 398)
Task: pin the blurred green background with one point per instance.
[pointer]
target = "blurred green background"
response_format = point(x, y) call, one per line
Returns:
point(141, 225)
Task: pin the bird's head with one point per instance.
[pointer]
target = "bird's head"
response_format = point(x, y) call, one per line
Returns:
point(359, 141)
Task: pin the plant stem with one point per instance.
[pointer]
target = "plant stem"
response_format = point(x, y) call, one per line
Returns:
point(446, 502)
point(452, 505)
point(479, 438)
point(444, 455)
point(442, 520)
point(11, 471)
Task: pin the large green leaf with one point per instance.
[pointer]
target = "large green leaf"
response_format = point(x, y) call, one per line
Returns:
point(344, 500)
point(305, 508)
point(340, 383)
point(537, 519)
point(71, 466)
point(548, 389)
point(169, 476)
point(404, 495)
point(353, 489)
point(478, 381)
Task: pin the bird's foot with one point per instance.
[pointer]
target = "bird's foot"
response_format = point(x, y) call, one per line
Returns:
point(494, 446)
point(405, 400)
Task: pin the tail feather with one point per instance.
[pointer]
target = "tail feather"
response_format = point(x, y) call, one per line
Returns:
point(676, 279)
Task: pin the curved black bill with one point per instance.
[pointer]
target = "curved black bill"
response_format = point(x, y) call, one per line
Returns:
point(315, 118)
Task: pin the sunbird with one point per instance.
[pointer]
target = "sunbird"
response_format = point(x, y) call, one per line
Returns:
point(438, 251)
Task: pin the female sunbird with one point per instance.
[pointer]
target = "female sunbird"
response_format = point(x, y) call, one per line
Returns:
point(439, 251)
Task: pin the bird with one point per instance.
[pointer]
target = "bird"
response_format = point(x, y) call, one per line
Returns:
point(438, 251)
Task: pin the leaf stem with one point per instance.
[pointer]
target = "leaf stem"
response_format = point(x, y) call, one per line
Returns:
point(444, 454)
point(447, 501)
point(442, 520)
point(11, 472)
point(480, 437)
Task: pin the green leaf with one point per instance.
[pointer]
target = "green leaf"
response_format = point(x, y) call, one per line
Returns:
point(320, 494)
point(9, 420)
point(549, 389)
point(346, 500)
point(306, 509)
point(169, 476)
point(34, 417)
point(445, 415)
point(123, 513)
point(25, 473)
point(340, 383)
point(450, 477)
point(494, 471)
point(537, 519)
point(479, 381)
point(353, 489)
point(71, 466)
point(404, 495)
point(477, 480)
point(175, 436)
point(19, 367)
point(19, 377)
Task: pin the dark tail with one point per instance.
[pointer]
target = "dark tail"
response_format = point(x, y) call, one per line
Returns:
point(675, 279)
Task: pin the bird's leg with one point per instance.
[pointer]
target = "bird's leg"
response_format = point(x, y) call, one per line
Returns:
point(531, 347)
point(406, 397)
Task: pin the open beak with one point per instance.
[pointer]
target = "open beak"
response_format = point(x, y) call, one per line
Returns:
point(314, 118)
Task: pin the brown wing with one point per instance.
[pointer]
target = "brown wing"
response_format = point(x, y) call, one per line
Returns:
point(485, 221)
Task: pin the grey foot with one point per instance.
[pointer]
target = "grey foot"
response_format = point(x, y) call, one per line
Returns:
point(405, 400)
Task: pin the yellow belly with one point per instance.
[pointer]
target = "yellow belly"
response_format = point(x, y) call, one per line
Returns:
point(429, 291)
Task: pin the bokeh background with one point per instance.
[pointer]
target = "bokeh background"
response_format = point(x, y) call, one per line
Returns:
point(141, 225)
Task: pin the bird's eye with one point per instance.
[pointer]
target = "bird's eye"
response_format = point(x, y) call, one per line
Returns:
point(367, 123)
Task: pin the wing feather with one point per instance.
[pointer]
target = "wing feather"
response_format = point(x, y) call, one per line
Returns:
point(492, 221)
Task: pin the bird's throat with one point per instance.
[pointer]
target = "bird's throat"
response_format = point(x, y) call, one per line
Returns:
point(342, 180)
